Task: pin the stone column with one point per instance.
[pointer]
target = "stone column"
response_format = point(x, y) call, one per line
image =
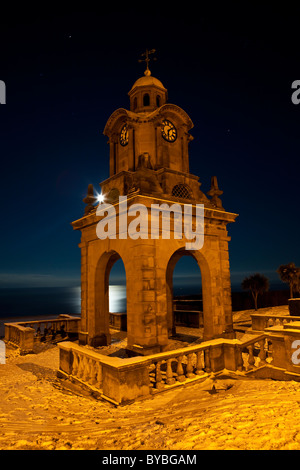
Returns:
point(112, 157)
point(226, 288)
point(82, 334)
point(146, 302)
point(131, 149)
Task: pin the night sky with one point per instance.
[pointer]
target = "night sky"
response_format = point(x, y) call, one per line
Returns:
point(230, 68)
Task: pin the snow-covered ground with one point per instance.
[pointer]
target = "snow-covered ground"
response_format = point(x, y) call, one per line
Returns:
point(38, 411)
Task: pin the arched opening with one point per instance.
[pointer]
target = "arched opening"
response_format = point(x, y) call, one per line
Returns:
point(184, 294)
point(158, 101)
point(146, 99)
point(105, 298)
point(117, 299)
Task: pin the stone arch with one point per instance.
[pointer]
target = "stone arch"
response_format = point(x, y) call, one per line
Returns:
point(117, 119)
point(175, 113)
point(101, 334)
point(206, 289)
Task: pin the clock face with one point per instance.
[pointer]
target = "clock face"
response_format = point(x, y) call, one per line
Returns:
point(124, 135)
point(168, 131)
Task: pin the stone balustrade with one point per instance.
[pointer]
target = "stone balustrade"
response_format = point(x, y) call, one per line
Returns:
point(124, 380)
point(25, 335)
point(195, 362)
point(177, 366)
point(252, 353)
point(118, 321)
point(111, 378)
point(262, 321)
point(20, 336)
point(88, 368)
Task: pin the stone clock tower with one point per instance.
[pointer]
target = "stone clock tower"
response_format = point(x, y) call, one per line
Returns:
point(154, 135)
point(149, 163)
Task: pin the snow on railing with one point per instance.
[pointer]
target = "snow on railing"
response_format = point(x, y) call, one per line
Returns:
point(124, 380)
point(261, 321)
point(25, 334)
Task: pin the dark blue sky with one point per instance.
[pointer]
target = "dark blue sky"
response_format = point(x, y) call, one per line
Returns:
point(230, 68)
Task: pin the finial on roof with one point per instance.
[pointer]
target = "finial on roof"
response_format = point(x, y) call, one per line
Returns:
point(215, 192)
point(147, 60)
point(89, 200)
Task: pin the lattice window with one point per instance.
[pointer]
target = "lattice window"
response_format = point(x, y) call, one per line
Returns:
point(180, 190)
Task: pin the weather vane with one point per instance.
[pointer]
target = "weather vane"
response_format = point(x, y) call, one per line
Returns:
point(147, 59)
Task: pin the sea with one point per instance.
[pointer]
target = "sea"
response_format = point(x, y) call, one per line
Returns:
point(22, 304)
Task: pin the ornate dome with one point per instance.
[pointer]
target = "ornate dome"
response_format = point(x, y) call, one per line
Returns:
point(147, 94)
point(148, 80)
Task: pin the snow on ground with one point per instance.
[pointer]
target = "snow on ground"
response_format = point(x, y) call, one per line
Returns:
point(39, 411)
point(245, 315)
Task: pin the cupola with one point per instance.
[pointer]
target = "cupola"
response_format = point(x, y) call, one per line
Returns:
point(147, 94)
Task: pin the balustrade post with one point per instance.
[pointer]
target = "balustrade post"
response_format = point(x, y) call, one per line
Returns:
point(38, 334)
point(158, 376)
point(86, 369)
point(80, 364)
point(189, 368)
point(251, 360)
point(93, 372)
point(262, 352)
point(179, 371)
point(207, 360)
point(240, 362)
point(170, 378)
point(199, 364)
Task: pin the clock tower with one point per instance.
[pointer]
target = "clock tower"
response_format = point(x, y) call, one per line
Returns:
point(153, 137)
point(149, 164)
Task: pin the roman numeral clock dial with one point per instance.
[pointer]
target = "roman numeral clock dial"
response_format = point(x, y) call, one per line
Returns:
point(168, 131)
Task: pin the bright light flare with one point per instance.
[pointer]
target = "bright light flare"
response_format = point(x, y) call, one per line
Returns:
point(100, 198)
